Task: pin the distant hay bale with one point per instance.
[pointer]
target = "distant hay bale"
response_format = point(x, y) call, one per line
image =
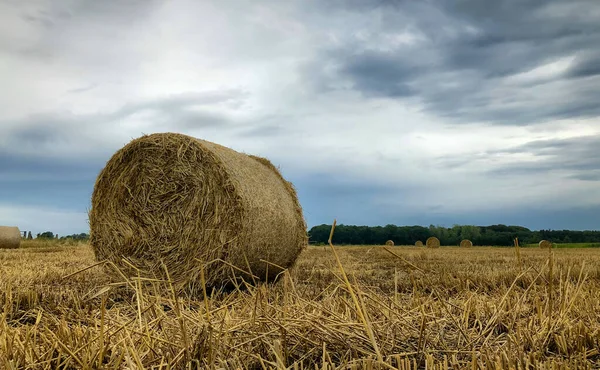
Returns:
point(432, 242)
point(188, 203)
point(419, 244)
point(389, 243)
point(466, 243)
point(10, 237)
point(544, 244)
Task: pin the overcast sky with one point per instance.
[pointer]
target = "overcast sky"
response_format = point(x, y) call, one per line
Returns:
point(401, 112)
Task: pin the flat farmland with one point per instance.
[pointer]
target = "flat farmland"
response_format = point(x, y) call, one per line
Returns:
point(374, 307)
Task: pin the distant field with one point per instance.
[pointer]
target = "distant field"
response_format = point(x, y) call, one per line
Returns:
point(556, 245)
point(413, 308)
point(570, 245)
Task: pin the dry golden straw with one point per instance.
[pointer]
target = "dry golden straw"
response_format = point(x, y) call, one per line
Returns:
point(419, 244)
point(196, 207)
point(432, 242)
point(389, 243)
point(544, 244)
point(466, 243)
point(10, 237)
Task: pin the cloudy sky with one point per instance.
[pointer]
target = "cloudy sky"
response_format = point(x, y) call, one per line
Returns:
point(403, 112)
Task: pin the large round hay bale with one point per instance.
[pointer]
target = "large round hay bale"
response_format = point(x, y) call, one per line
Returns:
point(419, 244)
point(187, 204)
point(10, 237)
point(544, 244)
point(389, 243)
point(432, 242)
point(466, 243)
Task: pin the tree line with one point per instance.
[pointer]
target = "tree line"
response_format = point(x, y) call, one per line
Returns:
point(50, 235)
point(501, 235)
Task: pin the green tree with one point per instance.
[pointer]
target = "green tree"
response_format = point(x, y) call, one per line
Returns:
point(46, 235)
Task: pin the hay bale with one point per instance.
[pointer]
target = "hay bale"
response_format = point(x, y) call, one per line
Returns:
point(419, 244)
point(10, 237)
point(544, 244)
point(432, 242)
point(191, 203)
point(466, 243)
point(389, 243)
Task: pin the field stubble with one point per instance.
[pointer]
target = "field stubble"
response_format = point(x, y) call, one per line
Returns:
point(409, 308)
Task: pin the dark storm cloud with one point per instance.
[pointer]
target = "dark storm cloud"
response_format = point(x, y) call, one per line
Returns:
point(467, 52)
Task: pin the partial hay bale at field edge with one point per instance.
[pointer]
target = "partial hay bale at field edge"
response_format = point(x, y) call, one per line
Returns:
point(10, 237)
point(174, 201)
point(544, 244)
point(466, 243)
point(419, 244)
point(389, 243)
point(432, 242)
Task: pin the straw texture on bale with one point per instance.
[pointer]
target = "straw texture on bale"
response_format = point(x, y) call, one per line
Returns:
point(389, 243)
point(196, 208)
point(10, 237)
point(419, 244)
point(432, 242)
point(544, 244)
point(466, 243)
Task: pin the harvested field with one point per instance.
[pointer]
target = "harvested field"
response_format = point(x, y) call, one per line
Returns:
point(405, 306)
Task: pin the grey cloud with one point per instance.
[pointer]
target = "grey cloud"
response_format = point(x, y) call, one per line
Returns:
point(37, 134)
point(350, 201)
point(177, 112)
point(586, 65)
point(18, 166)
point(51, 13)
point(460, 67)
point(83, 89)
point(380, 74)
point(588, 176)
point(55, 21)
point(577, 157)
point(262, 131)
point(185, 111)
point(39, 18)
